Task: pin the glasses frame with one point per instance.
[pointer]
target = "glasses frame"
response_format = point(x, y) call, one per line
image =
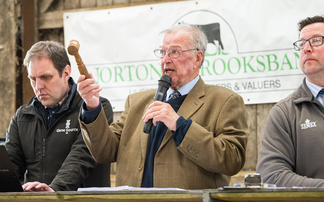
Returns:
point(169, 51)
point(297, 48)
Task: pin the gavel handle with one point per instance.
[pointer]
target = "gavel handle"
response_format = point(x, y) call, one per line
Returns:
point(82, 68)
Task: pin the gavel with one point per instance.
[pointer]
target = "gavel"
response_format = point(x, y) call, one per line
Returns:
point(73, 49)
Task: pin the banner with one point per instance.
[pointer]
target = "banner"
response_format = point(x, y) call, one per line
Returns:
point(249, 47)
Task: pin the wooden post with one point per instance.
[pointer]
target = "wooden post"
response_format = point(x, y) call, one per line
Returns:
point(29, 37)
point(7, 64)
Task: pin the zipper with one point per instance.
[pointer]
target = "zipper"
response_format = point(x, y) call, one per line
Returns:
point(43, 158)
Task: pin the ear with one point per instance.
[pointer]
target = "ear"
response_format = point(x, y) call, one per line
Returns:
point(66, 73)
point(199, 58)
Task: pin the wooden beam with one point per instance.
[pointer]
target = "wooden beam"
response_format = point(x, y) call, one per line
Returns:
point(44, 5)
point(88, 3)
point(50, 20)
point(53, 20)
point(28, 39)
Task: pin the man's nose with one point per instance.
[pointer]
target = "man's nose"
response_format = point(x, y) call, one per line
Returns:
point(39, 84)
point(307, 47)
point(166, 57)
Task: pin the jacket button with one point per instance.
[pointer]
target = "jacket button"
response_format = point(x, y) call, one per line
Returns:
point(139, 169)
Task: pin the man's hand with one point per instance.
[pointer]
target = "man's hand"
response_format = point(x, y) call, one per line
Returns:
point(160, 111)
point(37, 186)
point(89, 91)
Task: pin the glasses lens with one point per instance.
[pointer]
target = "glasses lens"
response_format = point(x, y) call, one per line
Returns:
point(316, 41)
point(174, 53)
point(298, 45)
point(159, 53)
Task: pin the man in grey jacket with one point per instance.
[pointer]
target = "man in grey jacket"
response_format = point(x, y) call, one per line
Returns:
point(293, 139)
point(44, 139)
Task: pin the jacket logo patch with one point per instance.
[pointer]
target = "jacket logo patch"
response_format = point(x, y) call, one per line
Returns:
point(308, 124)
point(67, 128)
point(67, 124)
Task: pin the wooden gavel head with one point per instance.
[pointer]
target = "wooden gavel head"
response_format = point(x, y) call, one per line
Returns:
point(73, 48)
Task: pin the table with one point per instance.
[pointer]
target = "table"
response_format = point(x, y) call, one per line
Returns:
point(207, 195)
point(95, 196)
point(268, 194)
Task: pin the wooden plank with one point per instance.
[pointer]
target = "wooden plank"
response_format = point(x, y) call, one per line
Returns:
point(71, 4)
point(119, 2)
point(50, 20)
point(262, 114)
point(121, 196)
point(53, 35)
point(29, 37)
point(251, 149)
point(7, 64)
point(54, 19)
point(59, 5)
point(101, 3)
point(44, 5)
point(265, 194)
point(88, 3)
point(137, 1)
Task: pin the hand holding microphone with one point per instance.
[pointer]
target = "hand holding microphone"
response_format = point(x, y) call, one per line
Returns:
point(163, 86)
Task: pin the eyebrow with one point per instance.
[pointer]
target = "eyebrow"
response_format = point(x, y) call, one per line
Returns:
point(173, 46)
point(43, 75)
point(314, 35)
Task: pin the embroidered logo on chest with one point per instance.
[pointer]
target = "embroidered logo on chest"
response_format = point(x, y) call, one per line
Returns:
point(67, 128)
point(67, 124)
point(308, 124)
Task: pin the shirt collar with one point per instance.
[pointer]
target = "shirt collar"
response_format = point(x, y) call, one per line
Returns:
point(184, 90)
point(314, 89)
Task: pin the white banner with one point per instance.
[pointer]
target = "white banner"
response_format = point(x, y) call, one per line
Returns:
point(250, 47)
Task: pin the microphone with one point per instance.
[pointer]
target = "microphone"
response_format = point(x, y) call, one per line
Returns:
point(163, 86)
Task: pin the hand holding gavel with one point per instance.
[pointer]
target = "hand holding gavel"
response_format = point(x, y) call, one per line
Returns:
point(73, 49)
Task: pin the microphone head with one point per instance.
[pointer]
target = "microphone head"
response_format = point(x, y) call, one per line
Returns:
point(165, 80)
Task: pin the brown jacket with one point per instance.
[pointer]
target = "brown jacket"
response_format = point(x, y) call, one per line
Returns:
point(212, 150)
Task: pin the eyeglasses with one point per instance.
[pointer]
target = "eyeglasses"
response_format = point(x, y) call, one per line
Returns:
point(160, 53)
point(314, 41)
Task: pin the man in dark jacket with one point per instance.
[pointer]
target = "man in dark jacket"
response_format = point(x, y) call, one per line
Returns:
point(44, 139)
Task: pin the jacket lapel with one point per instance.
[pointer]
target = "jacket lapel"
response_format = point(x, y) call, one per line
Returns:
point(189, 107)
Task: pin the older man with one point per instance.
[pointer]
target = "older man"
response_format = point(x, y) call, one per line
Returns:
point(293, 139)
point(198, 139)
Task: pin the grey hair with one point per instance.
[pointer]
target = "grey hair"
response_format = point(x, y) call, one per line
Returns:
point(197, 36)
point(51, 50)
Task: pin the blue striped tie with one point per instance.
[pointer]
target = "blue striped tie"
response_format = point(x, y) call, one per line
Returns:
point(320, 96)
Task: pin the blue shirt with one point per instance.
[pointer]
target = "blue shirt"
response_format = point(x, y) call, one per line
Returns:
point(315, 90)
point(184, 90)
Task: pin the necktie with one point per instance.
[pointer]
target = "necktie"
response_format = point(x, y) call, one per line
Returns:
point(320, 96)
point(174, 95)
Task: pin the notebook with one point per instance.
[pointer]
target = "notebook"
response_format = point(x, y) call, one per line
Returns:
point(8, 179)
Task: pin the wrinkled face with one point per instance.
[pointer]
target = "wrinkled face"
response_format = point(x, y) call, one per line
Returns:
point(184, 68)
point(312, 58)
point(47, 84)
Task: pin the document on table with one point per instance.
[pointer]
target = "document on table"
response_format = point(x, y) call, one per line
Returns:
point(120, 188)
